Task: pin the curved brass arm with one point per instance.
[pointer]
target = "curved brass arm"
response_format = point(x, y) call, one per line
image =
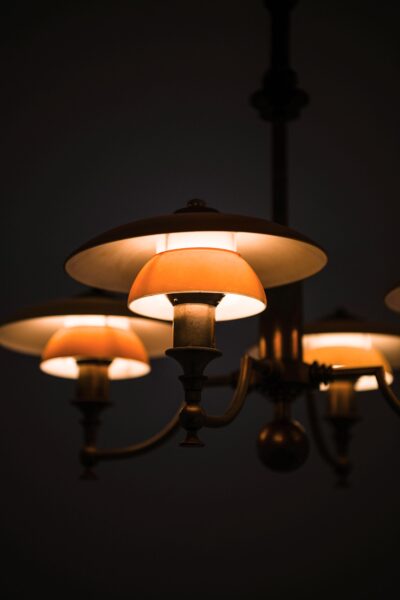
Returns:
point(93, 455)
point(239, 396)
point(316, 431)
point(379, 374)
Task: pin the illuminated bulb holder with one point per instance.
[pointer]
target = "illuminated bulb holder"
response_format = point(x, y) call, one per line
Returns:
point(347, 356)
point(123, 349)
point(198, 272)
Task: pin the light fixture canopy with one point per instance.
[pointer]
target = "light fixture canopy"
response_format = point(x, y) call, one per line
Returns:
point(197, 271)
point(121, 349)
point(278, 254)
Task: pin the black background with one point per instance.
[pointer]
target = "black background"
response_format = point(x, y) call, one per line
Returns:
point(118, 111)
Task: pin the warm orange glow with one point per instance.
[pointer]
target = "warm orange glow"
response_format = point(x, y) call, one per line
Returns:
point(346, 356)
point(123, 348)
point(30, 336)
point(202, 270)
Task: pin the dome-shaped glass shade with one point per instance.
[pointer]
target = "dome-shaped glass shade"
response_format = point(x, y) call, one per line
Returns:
point(123, 349)
point(197, 270)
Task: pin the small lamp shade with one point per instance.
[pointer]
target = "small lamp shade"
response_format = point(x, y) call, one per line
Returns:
point(69, 345)
point(197, 270)
point(347, 356)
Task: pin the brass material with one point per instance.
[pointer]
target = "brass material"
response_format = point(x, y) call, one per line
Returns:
point(341, 400)
point(93, 382)
point(194, 319)
point(281, 324)
point(283, 445)
point(194, 325)
point(91, 399)
point(93, 454)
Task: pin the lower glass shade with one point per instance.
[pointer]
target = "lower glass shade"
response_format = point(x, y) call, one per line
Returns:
point(202, 271)
point(124, 349)
point(346, 356)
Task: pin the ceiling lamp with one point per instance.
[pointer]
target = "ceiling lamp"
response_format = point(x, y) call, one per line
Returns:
point(194, 267)
point(198, 266)
point(392, 299)
point(346, 341)
point(92, 338)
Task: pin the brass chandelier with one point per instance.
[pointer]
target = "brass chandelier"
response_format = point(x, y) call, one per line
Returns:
point(199, 266)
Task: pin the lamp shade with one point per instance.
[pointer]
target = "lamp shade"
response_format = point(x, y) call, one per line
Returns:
point(29, 330)
point(344, 329)
point(392, 299)
point(197, 270)
point(347, 356)
point(277, 254)
point(124, 349)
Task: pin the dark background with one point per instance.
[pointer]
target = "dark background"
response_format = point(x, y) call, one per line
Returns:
point(118, 111)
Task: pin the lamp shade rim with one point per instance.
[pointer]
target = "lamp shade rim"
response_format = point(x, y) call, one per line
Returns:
point(66, 368)
point(258, 306)
point(278, 254)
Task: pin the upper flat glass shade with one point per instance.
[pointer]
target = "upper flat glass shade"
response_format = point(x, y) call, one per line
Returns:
point(29, 330)
point(392, 299)
point(345, 330)
point(122, 347)
point(347, 356)
point(192, 270)
point(277, 254)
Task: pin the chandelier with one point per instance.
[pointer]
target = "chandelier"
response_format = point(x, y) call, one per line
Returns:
point(196, 267)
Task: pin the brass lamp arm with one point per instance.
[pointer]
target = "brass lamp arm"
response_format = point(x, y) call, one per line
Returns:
point(316, 431)
point(239, 396)
point(92, 455)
